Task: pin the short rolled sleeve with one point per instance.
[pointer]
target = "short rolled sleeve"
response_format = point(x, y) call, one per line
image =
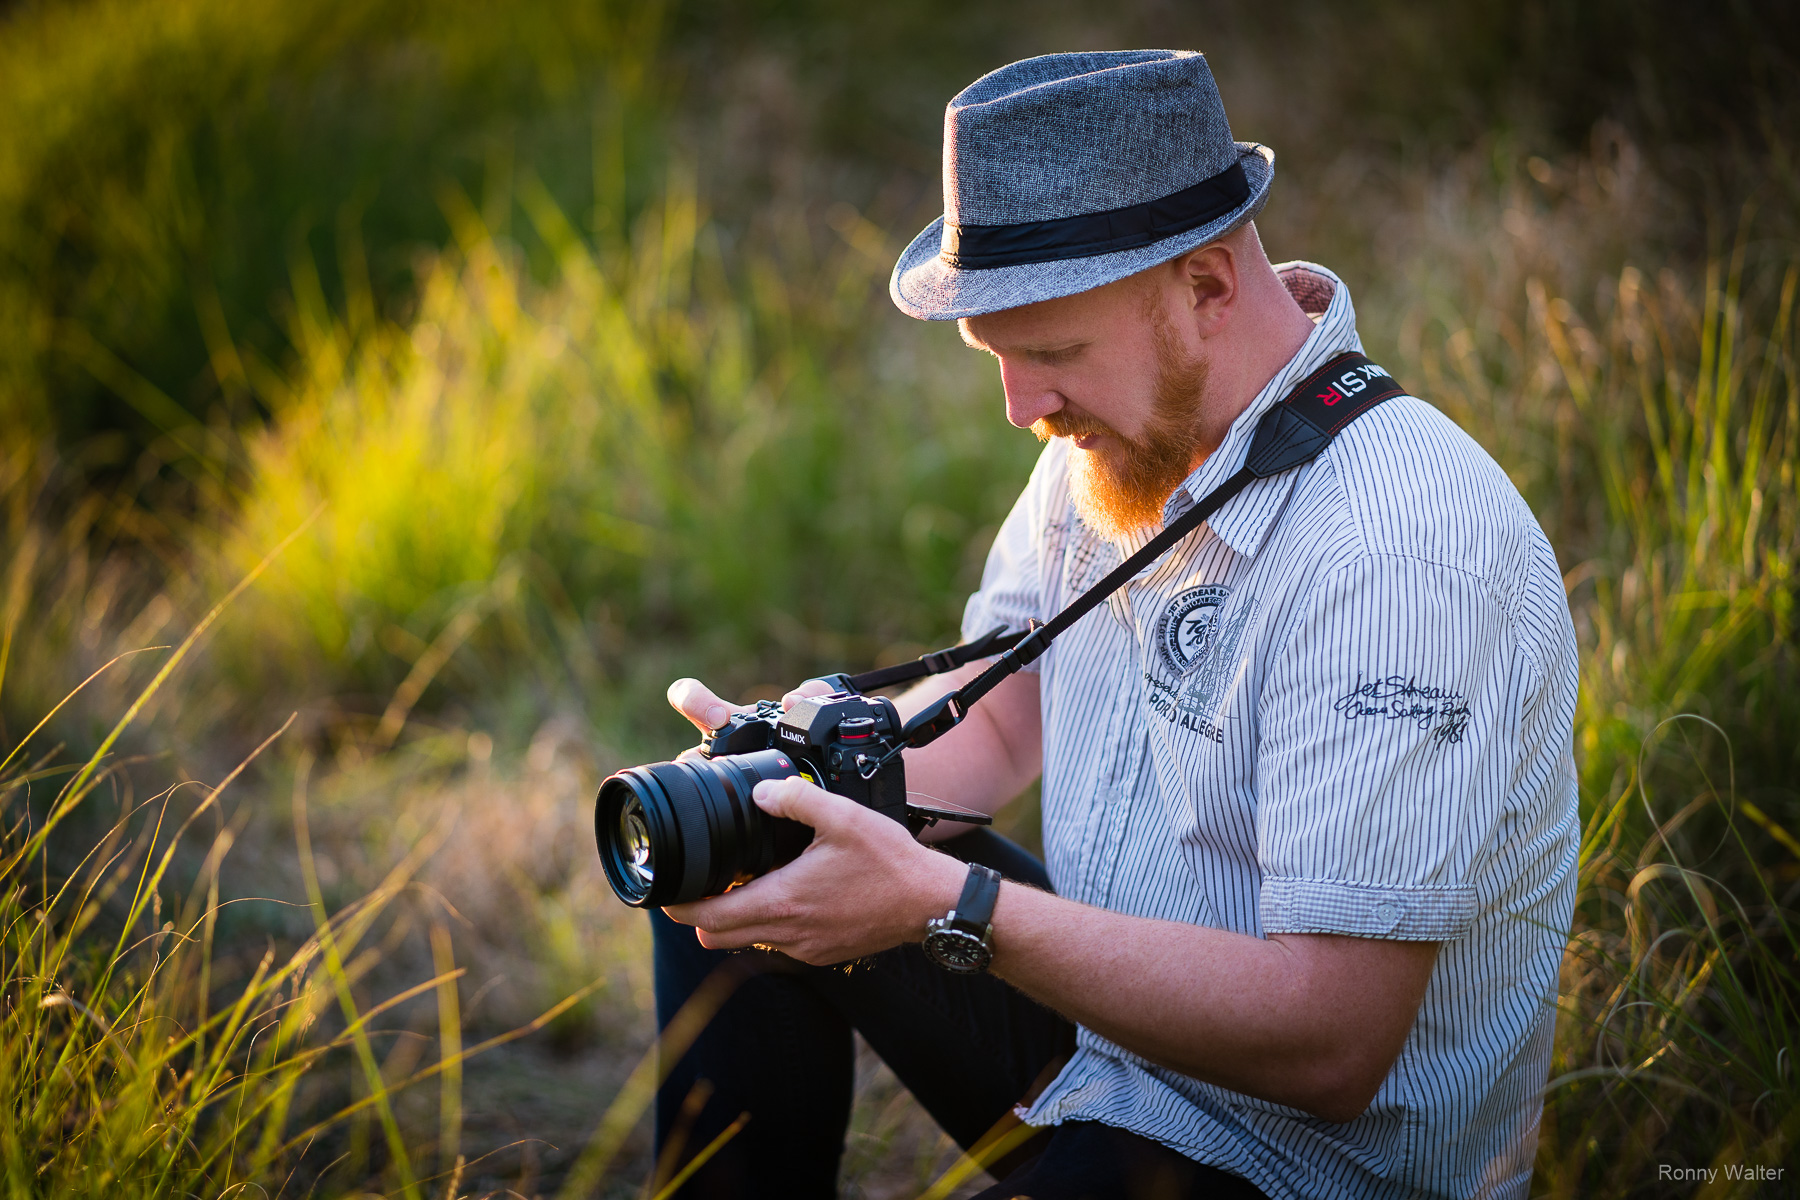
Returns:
point(1012, 583)
point(1381, 774)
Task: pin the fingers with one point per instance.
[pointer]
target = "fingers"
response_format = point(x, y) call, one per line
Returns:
point(764, 912)
point(695, 701)
point(740, 917)
point(853, 891)
point(716, 936)
point(712, 919)
point(812, 687)
point(730, 941)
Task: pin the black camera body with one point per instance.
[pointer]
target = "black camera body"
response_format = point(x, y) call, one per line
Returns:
point(842, 742)
point(683, 830)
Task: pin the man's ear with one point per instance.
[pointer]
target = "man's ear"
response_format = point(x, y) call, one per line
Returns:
point(1209, 278)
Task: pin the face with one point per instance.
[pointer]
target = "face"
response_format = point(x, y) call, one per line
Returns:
point(1108, 370)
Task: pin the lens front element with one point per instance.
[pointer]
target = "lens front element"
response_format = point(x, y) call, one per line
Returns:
point(634, 844)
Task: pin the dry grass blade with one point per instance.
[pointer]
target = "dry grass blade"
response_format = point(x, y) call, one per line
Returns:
point(340, 982)
point(1002, 1140)
point(701, 1159)
point(634, 1098)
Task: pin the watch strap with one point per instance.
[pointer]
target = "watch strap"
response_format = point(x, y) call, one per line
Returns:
point(981, 892)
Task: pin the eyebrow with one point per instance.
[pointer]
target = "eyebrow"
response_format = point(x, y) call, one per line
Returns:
point(1051, 351)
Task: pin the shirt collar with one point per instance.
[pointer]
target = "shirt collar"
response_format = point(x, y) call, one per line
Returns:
point(1244, 521)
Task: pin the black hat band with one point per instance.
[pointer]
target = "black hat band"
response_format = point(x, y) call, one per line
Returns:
point(979, 247)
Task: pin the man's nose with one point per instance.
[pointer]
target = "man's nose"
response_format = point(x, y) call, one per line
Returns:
point(1029, 394)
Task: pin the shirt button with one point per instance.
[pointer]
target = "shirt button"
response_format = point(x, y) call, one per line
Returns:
point(1388, 914)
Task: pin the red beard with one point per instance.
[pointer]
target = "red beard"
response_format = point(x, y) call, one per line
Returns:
point(1122, 488)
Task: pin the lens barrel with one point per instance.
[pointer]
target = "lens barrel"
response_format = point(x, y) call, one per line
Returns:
point(677, 831)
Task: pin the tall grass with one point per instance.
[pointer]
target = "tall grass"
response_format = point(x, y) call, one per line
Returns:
point(164, 163)
point(122, 1075)
point(653, 462)
point(1681, 1003)
point(1687, 1018)
point(1654, 423)
point(152, 1049)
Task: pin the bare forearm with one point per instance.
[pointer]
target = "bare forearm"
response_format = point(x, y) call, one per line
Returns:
point(1312, 1022)
point(988, 759)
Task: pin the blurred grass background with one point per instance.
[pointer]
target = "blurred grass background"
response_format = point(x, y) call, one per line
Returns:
point(559, 332)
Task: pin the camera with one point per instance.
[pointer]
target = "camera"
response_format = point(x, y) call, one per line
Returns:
point(677, 831)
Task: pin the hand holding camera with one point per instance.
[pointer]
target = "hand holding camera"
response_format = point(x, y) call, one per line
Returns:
point(861, 885)
point(678, 831)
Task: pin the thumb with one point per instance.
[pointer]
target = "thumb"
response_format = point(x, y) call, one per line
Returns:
point(697, 702)
point(798, 800)
point(812, 687)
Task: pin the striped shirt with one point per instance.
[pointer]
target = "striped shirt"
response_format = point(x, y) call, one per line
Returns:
point(1343, 707)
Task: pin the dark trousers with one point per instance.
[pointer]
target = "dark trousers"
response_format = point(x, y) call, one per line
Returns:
point(770, 1037)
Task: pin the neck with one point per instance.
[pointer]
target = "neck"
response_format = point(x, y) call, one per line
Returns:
point(1266, 331)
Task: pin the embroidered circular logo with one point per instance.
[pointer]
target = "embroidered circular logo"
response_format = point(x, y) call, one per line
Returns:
point(1189, 623)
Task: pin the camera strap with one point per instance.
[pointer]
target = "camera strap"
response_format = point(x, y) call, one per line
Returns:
point(1291, 434)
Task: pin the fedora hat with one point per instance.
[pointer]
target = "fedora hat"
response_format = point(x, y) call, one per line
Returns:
point(1066, 172)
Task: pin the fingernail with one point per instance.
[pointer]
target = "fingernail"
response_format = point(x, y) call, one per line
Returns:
point(717, 715)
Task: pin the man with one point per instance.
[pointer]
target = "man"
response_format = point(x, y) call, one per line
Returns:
point(1308, 798)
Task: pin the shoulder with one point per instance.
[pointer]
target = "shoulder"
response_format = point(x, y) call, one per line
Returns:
point(1411, 483)
point(1403, 485)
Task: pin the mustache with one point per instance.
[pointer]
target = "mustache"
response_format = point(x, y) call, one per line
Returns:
point(1068, 425)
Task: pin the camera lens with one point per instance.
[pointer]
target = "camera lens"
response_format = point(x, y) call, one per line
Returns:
point(676, 831)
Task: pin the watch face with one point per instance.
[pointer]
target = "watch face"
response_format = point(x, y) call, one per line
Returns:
point(957, 950)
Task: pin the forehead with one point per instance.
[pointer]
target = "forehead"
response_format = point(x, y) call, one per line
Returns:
point(1063, 321)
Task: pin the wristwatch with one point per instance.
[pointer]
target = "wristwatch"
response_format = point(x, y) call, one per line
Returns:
point(962, 940)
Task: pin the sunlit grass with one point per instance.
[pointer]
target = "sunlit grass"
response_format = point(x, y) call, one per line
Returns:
point(1655, 427)
point(654, 461)
point(126, 1074)
point(164, 163)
